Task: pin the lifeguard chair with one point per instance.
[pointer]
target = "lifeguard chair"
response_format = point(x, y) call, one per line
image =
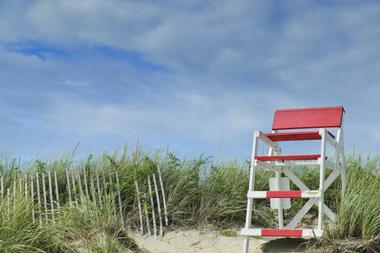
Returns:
point(327, 125)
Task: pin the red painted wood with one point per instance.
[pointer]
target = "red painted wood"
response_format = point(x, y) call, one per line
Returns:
point(288, 157)
point(308, 118)
point(282, 232)
point(283, 194)
point(296, 136)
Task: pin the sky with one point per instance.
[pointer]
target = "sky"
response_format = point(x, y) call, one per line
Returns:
point(197, 76)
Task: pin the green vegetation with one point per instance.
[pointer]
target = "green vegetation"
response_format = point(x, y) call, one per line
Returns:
point(200, 193)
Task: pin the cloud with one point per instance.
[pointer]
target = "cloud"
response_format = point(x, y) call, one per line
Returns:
point(190, 73)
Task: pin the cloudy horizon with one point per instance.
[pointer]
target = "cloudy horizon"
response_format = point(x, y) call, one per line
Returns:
point(197, 76)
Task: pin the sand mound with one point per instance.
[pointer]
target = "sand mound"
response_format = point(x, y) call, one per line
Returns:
point(193, 241)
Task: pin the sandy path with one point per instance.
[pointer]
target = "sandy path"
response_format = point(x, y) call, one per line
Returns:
point(193, 241)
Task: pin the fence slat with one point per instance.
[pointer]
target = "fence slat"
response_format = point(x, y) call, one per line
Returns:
point(119, 198)
point(51, 198)
point(147, 216)
point(26, 186)
point(80, 186)
point(158, 204)
point(163, 196)
point(93, 192)
point(85, 183)
point(139, 207)
point(56, 189)
point(39, 198)
point(112, 194)
point(99, 191)
point(2, 187)
point(45, 197)
point(32, 196)
point(74, 186)
point(14, 194)
point(152, 206)
point(68, 185)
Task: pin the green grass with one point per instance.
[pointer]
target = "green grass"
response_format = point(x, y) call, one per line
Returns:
point(358, 220)
point(200, 193)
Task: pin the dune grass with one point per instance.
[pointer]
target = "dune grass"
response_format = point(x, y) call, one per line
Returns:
point(201, 192)
point(358, 219)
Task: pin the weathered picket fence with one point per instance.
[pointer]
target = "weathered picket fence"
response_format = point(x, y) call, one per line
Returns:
point(84, 186)
point(152, 203)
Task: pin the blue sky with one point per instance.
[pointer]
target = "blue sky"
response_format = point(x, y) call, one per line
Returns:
point(198, 76)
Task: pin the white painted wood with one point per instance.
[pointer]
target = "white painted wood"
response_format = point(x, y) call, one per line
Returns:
point(248, 218)
point(158, 204)
point(32, 196)
point(267, 141)
point(163, 196)
point(306, 233)
point(112, 194)
point(257, 194)
point(51, 197)
point(322, 132)
point(263, 195)
point(92, 187)
point(2, 186)
point(68, 185)
point(14, 194)
point(279, 184)
point(39, 198)
point(152, 207)
point(79, 178)
point(86, 184)
point(301, 213)
point(267, 165)
point(294, 163)
point(74, 186)
point(56, 189)
point(20, 184)
point(26, 186)
point(98, 188)
point(8, 200)
point(139, 207)
point(45, 197)
point(119, 198)
point(147, 216)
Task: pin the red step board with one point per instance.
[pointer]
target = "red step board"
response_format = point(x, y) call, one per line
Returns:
point(284, 194)
point(288, 157)
point(296, 136)
point(282, 232)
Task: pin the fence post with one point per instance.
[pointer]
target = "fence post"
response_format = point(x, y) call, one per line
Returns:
point(163, 196)
point(139, 206)
point(45, 198)
point(158, 204)
point(39, 198)
point(32, 196)
point(152, 206)
point(119, 198)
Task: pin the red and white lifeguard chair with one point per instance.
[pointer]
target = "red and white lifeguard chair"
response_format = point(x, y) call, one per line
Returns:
point(327, 125)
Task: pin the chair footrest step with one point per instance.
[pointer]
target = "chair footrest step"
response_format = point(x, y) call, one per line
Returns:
point(296, 136)
point(288, 157)
point(305, 233)
point(283, 194)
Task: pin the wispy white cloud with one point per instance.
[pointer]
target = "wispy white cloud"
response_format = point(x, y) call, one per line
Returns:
point(216, 70)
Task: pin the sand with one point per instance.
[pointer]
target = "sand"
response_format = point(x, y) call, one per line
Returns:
point(193, 241)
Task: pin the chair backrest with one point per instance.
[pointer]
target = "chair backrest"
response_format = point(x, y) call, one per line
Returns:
point(322, 117)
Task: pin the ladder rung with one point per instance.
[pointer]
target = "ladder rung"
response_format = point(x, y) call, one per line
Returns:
point(305, 233)
point(283, 194)
point(288, 157)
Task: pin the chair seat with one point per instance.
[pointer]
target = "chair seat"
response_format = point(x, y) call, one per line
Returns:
point(288, 157)
point(296, 136)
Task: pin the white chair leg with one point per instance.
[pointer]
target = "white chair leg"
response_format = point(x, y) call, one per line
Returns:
point(321, 179)
point(252, 172)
